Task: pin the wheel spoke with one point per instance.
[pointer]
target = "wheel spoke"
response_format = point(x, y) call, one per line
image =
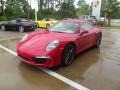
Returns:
point(21, 29)
point(69, 55)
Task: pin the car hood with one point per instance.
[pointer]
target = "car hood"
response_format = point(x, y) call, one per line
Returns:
point(39, 40)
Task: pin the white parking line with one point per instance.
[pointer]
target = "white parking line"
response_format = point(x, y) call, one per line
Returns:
point(8, 50)
point(54, 74)
point(10, 38)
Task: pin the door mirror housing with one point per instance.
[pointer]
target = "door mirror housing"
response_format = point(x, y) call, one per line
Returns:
point(83, 32)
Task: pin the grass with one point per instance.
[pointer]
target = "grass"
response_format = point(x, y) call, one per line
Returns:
point(2, 22)
point(112, 27)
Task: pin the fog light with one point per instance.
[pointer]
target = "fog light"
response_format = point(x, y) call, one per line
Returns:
point(41, 59)
point(45, 57)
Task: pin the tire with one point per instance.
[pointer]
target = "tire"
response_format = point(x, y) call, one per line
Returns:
point(21, 29)
point(47, 26)
point(38, 25)
point(3, 28)
point(68, 55)
point(98, 42)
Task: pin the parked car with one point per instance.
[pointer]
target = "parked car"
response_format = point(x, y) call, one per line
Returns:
point(93, 19)
point(59, 44)
point(19, 24)
point(46, 23)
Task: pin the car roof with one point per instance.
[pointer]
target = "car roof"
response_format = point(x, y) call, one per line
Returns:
point(75, 20)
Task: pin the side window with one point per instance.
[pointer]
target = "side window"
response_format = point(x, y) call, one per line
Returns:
point(12, 21)
point(18, 21)
point(90, 26)
point(86, 26)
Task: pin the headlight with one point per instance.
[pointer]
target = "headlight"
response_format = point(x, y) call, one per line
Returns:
point(24, 37)
point(52, 45)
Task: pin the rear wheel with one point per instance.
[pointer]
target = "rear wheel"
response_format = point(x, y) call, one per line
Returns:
point(68, 55)
point(21, 29)
point(38, 25)
point(3, 28)
point(98, 42)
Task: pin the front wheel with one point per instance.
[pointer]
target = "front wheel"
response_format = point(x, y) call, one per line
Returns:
point(68, 55)
point(21, 29)
point(3, 28)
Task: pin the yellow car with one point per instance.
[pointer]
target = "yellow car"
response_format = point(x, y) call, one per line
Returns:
point(46, 23)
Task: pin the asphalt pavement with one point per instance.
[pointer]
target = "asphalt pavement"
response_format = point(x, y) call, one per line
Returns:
point(94, 69)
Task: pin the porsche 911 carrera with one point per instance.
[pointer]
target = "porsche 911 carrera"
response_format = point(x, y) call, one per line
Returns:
point(59, 44)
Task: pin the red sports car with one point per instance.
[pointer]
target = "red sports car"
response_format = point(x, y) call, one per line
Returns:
point(59, 44)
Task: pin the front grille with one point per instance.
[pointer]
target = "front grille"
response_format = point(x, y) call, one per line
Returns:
point(40, 60)
point(24, 58)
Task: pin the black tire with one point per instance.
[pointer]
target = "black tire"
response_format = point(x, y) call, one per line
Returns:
point(2, 28)
point(47, 26)
point(98, 42)
point(21, 29)
point(38, 25)
point(68, 55)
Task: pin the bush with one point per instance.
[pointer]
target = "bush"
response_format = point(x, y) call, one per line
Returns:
point(3, 18)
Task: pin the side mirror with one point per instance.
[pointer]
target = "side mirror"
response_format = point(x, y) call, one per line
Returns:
point(83, 32)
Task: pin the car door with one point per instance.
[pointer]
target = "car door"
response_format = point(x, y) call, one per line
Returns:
point(44, 22)
point(11, 25)
point(84, 39)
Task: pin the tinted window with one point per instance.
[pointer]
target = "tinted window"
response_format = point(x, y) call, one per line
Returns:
point(12, 21)
point(24, 20)
point(85, 26)
point(21, 20)
point(46, 19)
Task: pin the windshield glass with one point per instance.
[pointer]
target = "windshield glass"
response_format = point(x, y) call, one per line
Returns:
point(65, 27)
point(24, 20)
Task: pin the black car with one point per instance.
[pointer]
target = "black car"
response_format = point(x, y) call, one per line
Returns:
point(19, 24)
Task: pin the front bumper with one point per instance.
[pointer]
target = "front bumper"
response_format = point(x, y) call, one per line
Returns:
point(31, 27)
point(46, 63)
point(50, 59)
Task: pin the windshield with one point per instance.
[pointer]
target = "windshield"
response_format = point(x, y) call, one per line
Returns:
point(65, 27)
point(24, 20)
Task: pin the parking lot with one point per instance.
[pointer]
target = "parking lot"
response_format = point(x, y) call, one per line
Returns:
point(95, 69)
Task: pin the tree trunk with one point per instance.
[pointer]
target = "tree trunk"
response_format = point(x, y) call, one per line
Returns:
point(105, 18)
point(109, 21)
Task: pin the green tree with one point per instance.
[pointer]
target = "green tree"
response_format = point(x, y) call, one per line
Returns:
point(67, 9)
point(83, 9)
point(111, 8)
point(13, 11)
point(81, 2)
point(16, 8)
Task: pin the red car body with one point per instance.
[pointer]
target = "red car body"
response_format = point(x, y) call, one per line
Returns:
point(35, 45)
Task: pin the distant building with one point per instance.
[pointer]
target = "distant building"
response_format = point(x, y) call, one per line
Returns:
point(96, 8)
